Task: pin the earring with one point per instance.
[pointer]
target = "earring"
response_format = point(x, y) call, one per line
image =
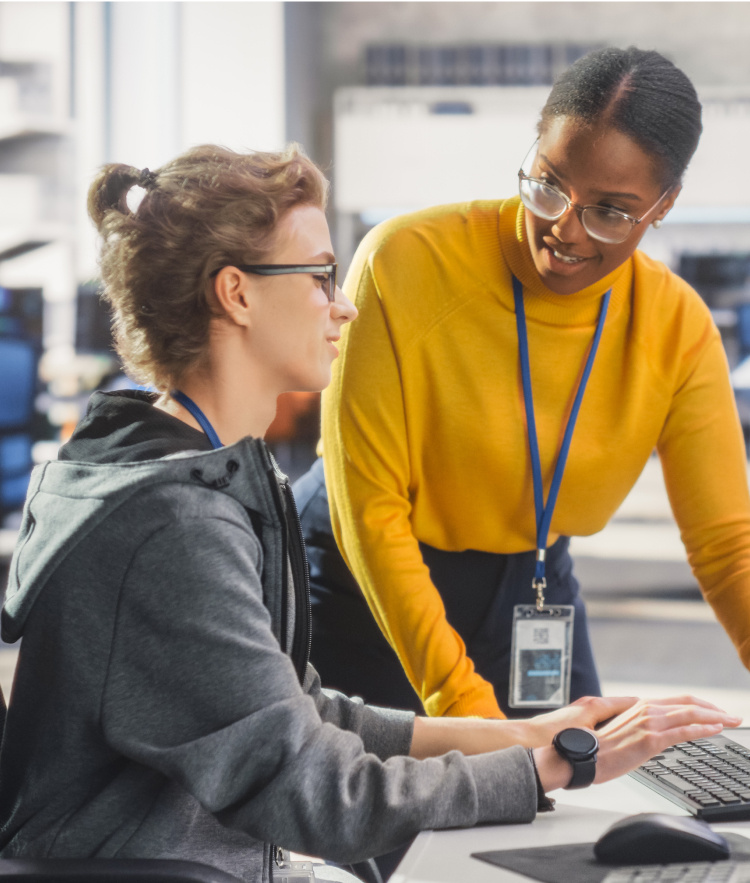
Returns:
point(656, 224)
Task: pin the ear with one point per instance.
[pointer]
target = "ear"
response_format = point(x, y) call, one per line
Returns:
point(231, 289)
point(667, 203)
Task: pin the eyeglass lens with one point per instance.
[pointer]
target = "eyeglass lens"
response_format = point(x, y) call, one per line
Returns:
point(331, 286)
point(548, 203)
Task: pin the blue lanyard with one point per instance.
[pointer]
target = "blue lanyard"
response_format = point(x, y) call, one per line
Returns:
point(544, 513)
point(205, 425)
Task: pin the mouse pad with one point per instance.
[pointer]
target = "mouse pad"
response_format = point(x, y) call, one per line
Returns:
point(575, 862)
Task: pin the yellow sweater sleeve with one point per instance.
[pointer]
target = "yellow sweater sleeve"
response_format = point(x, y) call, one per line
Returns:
point(703, 457)
point(367, 466)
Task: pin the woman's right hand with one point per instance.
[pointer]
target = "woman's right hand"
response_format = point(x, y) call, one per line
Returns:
point(647, 727)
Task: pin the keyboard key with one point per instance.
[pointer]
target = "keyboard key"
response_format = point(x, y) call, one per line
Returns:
point(674, 781)
point(697, 872)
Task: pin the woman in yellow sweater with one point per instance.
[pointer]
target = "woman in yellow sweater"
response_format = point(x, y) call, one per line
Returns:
point(435, 417)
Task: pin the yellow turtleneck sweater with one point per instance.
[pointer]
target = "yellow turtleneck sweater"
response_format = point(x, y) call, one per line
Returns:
point(424, 429)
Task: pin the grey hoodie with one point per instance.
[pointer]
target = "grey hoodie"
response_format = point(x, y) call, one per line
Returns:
point(163, 705)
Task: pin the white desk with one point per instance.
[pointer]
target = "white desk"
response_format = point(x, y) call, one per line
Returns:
point(579, 817)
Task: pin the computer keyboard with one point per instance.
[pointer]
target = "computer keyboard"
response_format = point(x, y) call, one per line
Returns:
point(695, 872)
point(710, 778)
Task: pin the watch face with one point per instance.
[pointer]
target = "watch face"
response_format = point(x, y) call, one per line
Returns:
point(577, 741)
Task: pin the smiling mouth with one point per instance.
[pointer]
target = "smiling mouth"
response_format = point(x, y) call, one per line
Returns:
point(566, 259)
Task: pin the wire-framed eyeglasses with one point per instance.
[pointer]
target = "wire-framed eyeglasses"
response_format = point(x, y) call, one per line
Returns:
point(324, 273)
point(549, 203)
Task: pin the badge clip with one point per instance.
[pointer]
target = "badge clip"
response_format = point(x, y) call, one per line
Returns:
point(539, 584)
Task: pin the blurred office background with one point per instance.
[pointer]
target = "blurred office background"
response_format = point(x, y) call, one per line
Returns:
point(404, 104)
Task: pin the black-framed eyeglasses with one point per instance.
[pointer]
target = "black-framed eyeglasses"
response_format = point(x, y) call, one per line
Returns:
point(325, 273)
point(601, 222)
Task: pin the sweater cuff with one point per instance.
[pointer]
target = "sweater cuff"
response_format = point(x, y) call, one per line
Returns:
point(506, 785)
point(543, 803)
point(387, 732)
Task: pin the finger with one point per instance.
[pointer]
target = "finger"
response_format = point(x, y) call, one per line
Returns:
point(690, 732)
point(665, 718)
point(684, 715)
point(655, 719)
point(684, 700)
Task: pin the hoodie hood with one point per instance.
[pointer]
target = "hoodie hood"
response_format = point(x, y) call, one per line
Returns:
point(124, 427)
point(70, 497)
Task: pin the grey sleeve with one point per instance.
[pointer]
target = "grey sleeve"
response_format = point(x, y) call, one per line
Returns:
point(199, 690)
point(383, 731)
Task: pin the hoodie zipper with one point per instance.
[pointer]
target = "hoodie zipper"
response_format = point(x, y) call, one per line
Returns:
point(294, 552)
point(301, 579)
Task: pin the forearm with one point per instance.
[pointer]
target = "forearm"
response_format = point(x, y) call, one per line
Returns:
point(434, 736)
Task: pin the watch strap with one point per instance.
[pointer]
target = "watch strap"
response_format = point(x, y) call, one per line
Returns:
point(583, 773)
point(583, 760)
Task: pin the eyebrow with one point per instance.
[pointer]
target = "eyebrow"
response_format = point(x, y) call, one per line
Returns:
point(324, 257)
point(602, 193)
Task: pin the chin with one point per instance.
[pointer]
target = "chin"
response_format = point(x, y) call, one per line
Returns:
point(563, 283)
point(313, 384)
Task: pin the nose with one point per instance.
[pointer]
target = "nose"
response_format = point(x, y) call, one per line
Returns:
point(342, 308)
point(569, 227)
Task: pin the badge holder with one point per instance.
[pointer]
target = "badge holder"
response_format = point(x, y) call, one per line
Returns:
point(541, 653)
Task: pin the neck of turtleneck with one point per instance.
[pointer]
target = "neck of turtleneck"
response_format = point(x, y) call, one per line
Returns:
point(542, 304)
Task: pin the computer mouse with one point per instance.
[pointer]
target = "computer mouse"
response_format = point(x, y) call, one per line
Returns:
point(658, 838)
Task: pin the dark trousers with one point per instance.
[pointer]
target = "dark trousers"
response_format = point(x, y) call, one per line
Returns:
point(478, 589)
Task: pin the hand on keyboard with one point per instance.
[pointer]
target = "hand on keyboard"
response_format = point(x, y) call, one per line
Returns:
point(651, 725)
point(644, 728)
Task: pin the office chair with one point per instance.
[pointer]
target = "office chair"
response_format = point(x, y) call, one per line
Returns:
point(743, 330)
point(19, 360)
point(117, 870)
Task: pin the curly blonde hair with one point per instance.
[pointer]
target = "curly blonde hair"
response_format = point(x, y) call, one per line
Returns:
point(208, 208)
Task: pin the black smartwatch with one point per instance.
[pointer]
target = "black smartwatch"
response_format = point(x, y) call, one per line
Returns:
point(579, 748)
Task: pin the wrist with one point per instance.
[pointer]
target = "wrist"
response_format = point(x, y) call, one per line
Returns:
point(554, 771)
point(543, 803)
point(579, 747)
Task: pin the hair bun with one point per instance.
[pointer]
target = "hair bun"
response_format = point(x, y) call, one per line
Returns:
point(108, 191)
point(147, 179)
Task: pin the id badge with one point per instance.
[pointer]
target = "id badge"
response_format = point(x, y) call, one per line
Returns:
point(541, 652)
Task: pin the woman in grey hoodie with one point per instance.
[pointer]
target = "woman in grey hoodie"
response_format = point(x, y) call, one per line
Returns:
point(163, 704)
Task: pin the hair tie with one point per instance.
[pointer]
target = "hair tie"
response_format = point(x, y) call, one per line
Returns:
point(147, 179)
